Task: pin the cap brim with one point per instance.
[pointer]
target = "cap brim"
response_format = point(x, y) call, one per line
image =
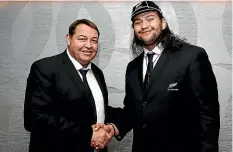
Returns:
point(143, 11)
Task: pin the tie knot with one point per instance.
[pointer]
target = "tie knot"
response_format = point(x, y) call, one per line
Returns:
point(150, 56)
point(83, 72)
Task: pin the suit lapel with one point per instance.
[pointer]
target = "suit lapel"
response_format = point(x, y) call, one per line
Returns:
point(140, 70)
point(72, 72)
point(75, 77)
point(102, 85)
point(99, 80)
point(156, 71)
point(138, 76)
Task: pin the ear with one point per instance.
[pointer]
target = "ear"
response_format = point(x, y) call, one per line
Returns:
point(164, 23)
point(68, 39)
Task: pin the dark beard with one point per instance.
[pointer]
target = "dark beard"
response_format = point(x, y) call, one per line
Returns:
point(154, 40)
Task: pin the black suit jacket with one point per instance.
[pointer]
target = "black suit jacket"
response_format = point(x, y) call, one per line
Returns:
point(57, 109)
point(180, 110)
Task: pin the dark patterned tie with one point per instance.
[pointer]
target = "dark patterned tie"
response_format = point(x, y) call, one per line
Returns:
point(84, 75)
point(149, 69)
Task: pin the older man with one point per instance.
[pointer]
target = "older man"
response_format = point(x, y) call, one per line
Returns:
point(66, 95)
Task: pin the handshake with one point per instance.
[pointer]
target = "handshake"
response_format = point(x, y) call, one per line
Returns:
point(102, 135)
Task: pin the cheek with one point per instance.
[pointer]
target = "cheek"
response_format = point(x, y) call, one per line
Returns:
point(159, 30)
point(94, 54)
point(157, 26)
point(79, 45)
point(137, 34)
point(95, 48)
point(136, 29)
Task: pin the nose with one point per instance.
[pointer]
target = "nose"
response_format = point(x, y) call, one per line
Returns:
point(145, 24)
point(88, 44)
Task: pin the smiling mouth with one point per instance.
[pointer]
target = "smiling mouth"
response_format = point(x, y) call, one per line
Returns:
point(145, 32)
point(86, 52)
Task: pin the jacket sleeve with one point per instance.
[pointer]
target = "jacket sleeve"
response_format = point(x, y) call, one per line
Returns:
point(204, 87)
point(39, 115)
point(112, 113)
point(125, 121)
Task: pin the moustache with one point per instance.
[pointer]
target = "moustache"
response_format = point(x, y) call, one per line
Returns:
point(146, 30)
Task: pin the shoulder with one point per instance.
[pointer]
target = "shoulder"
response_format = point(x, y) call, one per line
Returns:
point(137, 60)
point(192, 49)
point(46, 64)
point(194, 55)
point(134, 64)
point(189, 52)
point(95, 68)
point(196, 51)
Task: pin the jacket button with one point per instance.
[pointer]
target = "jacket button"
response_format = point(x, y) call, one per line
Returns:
point(144, 126)
point(118, 137)
point(144, 104)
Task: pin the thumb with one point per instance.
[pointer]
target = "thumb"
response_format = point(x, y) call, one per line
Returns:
point(98, 126)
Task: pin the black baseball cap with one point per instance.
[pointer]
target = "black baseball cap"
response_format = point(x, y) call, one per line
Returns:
point(144, 6)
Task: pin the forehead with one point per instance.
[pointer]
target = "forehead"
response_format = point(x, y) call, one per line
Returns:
point(145, 14)
point(83, 29)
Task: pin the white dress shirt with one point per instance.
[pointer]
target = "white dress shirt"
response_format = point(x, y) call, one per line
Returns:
point(158, 51)
point(94, 86)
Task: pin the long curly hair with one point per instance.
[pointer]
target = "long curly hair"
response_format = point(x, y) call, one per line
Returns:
point(167, 39)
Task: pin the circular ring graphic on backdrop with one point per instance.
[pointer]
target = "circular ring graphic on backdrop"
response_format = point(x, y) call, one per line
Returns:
point(227, 27)
point(8, 18)
point(15, 51)
point(30, 32)
point(185, 18)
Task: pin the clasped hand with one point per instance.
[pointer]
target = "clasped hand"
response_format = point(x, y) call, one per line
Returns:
point(102, 135)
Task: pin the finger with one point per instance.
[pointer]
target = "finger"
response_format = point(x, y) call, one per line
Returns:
point(98, 126)
point(94, 127)
point(111, 130)
point(97, 144)
point(107, 128)
point(101, 146)
point(92, 144)
point(105, 135)
point(97, 147)
point(108, 136)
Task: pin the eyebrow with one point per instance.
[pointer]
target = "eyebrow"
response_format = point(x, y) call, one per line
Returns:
point(146, 16)
point(86, 36)
point(149, 15)
point(81, 35)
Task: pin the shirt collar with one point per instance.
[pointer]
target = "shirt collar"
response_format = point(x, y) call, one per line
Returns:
point(76, 64)
point(157, 50)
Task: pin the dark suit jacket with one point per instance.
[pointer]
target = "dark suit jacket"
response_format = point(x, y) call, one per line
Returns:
point(180, 110)
point(57, 110)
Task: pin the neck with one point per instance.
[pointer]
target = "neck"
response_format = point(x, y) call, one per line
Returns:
point(150, 47)
point(84, 65)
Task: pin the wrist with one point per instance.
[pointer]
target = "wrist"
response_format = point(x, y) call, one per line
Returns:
point(116, 132)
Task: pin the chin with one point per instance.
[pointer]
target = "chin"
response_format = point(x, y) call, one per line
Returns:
point(148, 42)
